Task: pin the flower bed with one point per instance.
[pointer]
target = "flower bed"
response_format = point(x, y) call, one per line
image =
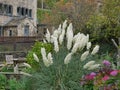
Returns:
point(106, 78)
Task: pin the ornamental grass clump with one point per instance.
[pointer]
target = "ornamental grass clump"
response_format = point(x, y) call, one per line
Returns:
point(104, 78)
point(62, 67)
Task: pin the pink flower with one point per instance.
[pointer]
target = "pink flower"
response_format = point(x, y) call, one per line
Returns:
point(114, 73)
point(105, 78)
point(93, 74)
point(90, 76)
point(106, 63)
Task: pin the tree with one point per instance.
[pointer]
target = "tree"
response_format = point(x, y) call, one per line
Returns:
point(106, 23)
point(77, 11)
point(111, 9)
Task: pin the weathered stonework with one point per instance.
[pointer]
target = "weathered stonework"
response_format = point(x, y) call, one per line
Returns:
point(23, 11)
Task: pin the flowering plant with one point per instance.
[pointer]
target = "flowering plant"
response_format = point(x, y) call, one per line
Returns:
point(105, 78)
point(62, 66)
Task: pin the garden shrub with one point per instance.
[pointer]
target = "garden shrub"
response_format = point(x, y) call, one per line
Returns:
point(3, 82)
point(59, 70)
point(36, 49)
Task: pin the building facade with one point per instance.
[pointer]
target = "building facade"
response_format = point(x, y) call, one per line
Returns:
point(18, 17)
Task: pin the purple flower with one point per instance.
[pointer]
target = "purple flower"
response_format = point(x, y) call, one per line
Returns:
point(93, 74)
point(90, 76)
point(106, 63)
point(114, 73)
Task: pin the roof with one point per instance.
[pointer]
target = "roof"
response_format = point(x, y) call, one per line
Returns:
point(15, 21)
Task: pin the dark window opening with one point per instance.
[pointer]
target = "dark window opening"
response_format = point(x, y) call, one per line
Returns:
point(1, 8)
point(26, 30)
point(26, 12)
point(22, 12)
point(10, 32)
point(6, 9)
point(18, 10)
point(10, 9)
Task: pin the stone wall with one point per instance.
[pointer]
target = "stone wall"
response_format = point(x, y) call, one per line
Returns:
point(28, 4)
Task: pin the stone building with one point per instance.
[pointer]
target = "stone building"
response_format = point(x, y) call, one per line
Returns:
point(18, 17)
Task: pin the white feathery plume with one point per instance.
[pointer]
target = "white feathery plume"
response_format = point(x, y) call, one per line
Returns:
point(52, 39)
point(59, 29)
point(75, 47)
point(79, 39)
point(35, 57)
point(92, 67)
point(80, 36)
point(87, 65)
point(69, 36)
point(45, 60)
point(95, 49)
point(56, 46)
point(88, 45)
point(61, 38)
point(56, 33)
point(27, 65)
point(75, 37)
point(24, 73)
point(62, 35)
point(84, 55)
point(50, 59)
point(43, 52)
point(68, 58)
point(44, 41)
point(83, 42)
point(48, 36)
point(64, 24)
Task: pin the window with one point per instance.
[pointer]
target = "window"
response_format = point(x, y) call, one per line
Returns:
point(30, 12)
point(1, 31)
point(10, 9)
point(26, 12)
point(10, 32)
point(18, 10)
point(5, 9)
point(26, 30)
point(22, 11)
point(1, 8)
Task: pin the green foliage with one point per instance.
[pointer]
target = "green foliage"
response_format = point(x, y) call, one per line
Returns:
point(94, 27)
point(59, 76)
point(3, 81)
point(41, 14)
point(105, 24)
point(11, 84)
point(47, 3)
point(14, 84)
point(36, 49)
point(7, 68)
